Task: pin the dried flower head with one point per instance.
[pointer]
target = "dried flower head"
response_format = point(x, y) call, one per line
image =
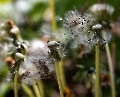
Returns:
point(62, 37)
point(79, 26)
point(74, 21)
point(99, 34)
point(102, 7)
point(33, 69)
point(85, 29)
point(55, 43)
point(38, 63)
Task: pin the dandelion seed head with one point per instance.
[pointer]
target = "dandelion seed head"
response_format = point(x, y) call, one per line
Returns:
point(79, 25)
point(38, 63)
point(99, 35)
point(85, 29)
point(73, 20)
point(99, 8)
point(34, 68)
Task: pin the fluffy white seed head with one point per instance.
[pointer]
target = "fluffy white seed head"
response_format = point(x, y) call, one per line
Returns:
point(28, 72)
point(35, 68)
point(79, 26)
point(98, 8)
point(38, 63)
point(73, 18)
point(85, 30)
point(75, 22)
point(99, 34)
point(63, 37)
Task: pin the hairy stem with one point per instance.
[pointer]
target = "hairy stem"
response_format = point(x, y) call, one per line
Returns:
point(111, 70)
point(97, 88)
point(27, 90)
point(36, 90)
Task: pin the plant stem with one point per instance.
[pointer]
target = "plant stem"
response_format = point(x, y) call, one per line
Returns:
point(16, 78)
point(51, 4)
point(58, 65)
point(36, 90)
point(16, 85)
point(62, 75)
point(27, 90)
point(40, 87)
point(97, 89)
point(111, 70)
point(58, 78)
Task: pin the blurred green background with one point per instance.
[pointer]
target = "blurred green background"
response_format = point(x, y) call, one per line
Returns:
point(30, 15)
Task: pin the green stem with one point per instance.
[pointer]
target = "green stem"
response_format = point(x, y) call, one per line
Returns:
point(62, 75)
point(97, 88)
point(111, 70)
point(59, 79)
point(36, 90)
point(16, 85)
point(58, 67)
point(40, 87)
point(51, 4)
point(27, 90)
point(17, 64)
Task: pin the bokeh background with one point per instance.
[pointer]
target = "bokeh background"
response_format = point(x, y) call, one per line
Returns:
point(31, 15)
